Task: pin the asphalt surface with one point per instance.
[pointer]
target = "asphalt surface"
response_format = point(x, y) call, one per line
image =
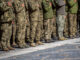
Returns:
point(67, 51)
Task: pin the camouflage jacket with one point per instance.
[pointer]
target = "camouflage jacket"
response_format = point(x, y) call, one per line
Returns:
point(72, 6)
point(33, 9)
point(6, 11)
point(54, 7)
point(26, 4)
point(18, 5)
point(47, 10)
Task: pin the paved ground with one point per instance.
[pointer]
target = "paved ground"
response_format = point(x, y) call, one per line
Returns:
point(62, 50)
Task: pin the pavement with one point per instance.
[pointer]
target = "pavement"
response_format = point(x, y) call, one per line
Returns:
point(60, 50)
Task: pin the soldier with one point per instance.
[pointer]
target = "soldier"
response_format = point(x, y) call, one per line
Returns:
point(47, 15)
point(73, 9)
point(27, 22)
point(21, 22)
point(6, 18)
point(39, 30)
point(54, 32)
point(34, 19)
point(41, 20)
point(60, 8)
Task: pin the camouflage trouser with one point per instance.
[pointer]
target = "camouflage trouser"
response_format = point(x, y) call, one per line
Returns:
point(54, 33)
point(33, 26)
point(21, 30)
point(38, 31)
point(72, 24)
point(41, 25)
point(28, 31)
point(60, 25)
point(5, 32)
point(47, 29)
point(27, 28)
point(66, 27)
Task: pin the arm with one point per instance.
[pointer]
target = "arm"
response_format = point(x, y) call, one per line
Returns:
point(46, 6)
point(18, 6)
point(32, 5)
point(71, 2)
point(26, 4)
point(4, 6)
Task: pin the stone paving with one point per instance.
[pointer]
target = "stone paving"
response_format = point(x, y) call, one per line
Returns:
point(63, 52)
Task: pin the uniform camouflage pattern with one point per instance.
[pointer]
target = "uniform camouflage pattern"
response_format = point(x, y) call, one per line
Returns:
point(34, 19)
point(28, 21)
point(21, 22)
point(6, 23)
point(48, 15)
point(73, 9)
point(25, 23)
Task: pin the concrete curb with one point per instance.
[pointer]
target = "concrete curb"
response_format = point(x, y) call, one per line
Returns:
point(41, 47)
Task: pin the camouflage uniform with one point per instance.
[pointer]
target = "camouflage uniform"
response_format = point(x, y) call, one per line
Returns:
point(34, 21)
point(39, 31)
point(21, 22)
point(73, 8)
point(6, 18)
point(28, 21)
point(41, 19)
point(47, 15)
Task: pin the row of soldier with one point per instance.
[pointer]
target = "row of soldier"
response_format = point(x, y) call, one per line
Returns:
point(25, 23)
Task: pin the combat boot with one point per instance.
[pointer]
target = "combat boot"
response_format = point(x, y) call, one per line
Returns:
point(47, 41)
point(32, 44)
point(11, 48)
point(5, 49)
point(21, 46)
point(39, 43)
point(66, 35)
point(14, 45)
point(74, 35)
point(25, 45)
point(62, 38)
point(71, 36)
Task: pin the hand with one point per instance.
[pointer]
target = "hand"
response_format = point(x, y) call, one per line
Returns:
point(9, 4)
point(50, 4)
point(23, 5)
point(38, 5)
point(75, 0)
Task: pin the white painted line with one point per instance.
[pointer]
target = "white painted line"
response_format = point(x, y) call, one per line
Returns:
point(42, 47)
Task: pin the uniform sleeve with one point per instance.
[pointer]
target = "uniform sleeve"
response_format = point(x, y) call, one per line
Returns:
point(4, 7)
point(18, 6)
point(32, 5)
point(71, 2)
point(46, 6)
point(26, 4)
point(53, 3)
